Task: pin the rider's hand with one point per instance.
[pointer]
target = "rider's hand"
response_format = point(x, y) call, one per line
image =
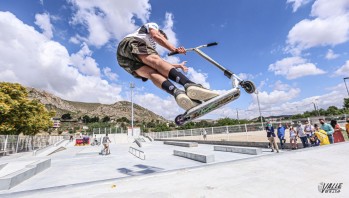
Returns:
point(181, 50)
point(183, 67)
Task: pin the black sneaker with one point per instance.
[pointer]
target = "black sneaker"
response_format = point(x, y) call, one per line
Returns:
point(198, 92)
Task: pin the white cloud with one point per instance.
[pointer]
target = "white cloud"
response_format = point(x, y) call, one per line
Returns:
point(329, 28)
point(331, 55)
point(327, 9)
point(245, 76)
point(294, 67)
point(45, 64)
point(298, 3)
point(279, 86)
point(158, 105)
point(109, 74)
point(106, 20)
point(84, 62)
point(44, 22)
point(343, 70)
point(198, 77)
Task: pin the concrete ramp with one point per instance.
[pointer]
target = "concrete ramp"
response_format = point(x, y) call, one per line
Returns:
point(16, 172)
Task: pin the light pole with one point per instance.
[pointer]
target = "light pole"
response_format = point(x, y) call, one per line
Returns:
point(346, 84)
point(237, 115)
point(132, 86)
point(316, 109)
point(259, 107)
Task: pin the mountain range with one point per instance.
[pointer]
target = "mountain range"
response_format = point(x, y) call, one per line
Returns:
point(79, 109)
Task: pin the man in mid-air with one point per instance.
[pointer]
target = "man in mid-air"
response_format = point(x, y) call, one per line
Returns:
point(137, 54)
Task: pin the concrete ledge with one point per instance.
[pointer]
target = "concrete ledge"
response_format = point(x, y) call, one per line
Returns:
point(234, 143)
point(235, 149)
point(29, 171)
point(184, 144)
point(194, 156)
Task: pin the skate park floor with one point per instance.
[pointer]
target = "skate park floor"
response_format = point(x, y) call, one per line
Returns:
point(81, 171)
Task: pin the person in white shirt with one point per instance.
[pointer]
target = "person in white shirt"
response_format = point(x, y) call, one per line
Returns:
point(302, 135)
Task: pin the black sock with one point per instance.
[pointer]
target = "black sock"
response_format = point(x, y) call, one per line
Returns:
point(168, 87)
point(178, 77)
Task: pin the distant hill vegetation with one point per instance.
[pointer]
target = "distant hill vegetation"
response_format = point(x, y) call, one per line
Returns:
point(79, 109)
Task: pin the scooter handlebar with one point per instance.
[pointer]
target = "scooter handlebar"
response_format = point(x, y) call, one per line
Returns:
point(207, 45)
point(211, 44)
point(172, 53)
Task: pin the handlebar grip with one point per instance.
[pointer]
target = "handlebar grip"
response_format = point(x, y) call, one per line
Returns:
point(172, 53)
point(212, 44)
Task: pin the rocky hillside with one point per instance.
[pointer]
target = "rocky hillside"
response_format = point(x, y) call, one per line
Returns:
point(79, 109)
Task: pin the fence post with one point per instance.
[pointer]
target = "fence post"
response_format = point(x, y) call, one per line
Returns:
point(17, 143)
point(5, 145)
point(246, 133)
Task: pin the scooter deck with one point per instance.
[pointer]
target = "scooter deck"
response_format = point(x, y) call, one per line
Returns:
point(208, 106)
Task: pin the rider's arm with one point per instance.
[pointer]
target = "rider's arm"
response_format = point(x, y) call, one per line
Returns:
point(161, 40)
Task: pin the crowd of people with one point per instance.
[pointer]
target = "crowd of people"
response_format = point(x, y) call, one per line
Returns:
point(309, 135)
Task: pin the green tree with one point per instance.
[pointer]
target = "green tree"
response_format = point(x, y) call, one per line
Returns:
point(346, 103)
point(66, 116)
point(18, 114)
point(86, 119)
point(106, 119)
point(332, 110)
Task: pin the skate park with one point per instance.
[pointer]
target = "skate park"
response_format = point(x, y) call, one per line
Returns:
point(147, 167)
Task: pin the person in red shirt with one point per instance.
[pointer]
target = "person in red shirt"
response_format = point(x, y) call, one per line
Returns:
point(337, 135)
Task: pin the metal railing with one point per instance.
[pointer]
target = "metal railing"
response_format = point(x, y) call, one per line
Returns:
point(19, 143)
point(245, 132)
point(134, 152)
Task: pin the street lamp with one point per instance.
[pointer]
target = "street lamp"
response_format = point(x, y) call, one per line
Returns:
point(316, 109)
point(259, 107)
point(132, 86)
point(346, 84)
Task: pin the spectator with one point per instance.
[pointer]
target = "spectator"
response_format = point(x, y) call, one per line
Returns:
point(281, 135)
point(271, 137)
point(337, 134)
point(347, 127)
point(308, 129)
point(204, 134)
point(106, 142)
point(328, 129)
point(293, 138)
point(301, 134)
point(321, 135)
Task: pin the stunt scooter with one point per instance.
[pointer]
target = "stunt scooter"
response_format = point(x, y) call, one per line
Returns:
point(220, 100)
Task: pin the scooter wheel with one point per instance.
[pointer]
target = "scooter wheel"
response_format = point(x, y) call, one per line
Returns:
point(248, 86)
point(179, 120)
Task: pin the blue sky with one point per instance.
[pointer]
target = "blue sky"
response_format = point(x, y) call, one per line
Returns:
point(295, 51)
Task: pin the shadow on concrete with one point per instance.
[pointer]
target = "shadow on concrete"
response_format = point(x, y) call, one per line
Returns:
point(146, 170)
